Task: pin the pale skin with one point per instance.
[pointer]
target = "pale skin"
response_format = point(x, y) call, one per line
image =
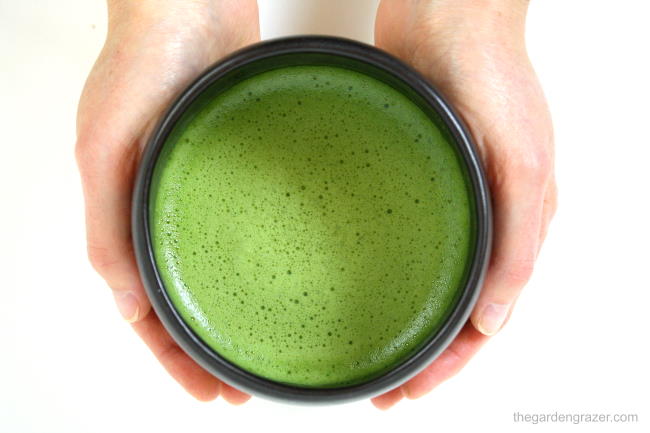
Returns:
point(472, 50)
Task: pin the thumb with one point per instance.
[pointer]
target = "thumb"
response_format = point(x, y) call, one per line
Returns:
point(518, 198)
point(107, 168)
point(116, 111)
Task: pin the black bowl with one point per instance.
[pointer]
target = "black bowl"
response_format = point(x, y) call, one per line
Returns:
point(312, 50)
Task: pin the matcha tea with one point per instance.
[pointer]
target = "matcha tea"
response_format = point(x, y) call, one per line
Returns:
point(312, 225)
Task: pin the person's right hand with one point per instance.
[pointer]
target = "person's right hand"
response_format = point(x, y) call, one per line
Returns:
point(154, 48)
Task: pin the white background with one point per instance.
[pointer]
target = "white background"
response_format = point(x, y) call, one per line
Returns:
point(577, 342)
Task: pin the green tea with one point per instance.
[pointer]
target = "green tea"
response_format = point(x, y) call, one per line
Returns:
point(312, 225)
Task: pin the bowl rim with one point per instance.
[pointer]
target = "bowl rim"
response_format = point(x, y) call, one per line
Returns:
point(191, 343)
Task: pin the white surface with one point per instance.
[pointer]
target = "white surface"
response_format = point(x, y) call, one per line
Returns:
point(578, 340)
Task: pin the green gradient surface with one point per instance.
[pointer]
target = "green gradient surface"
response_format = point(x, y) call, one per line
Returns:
point(311, 225)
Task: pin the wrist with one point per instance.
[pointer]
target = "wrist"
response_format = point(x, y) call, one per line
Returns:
point(497, 17)
point(121, 12)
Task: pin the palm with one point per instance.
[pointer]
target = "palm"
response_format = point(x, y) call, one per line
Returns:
point(149, 56)
point(145, 64)
point(482, 68)
point(485, 75)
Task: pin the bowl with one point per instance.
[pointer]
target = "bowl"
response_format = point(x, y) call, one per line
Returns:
point(330, 51)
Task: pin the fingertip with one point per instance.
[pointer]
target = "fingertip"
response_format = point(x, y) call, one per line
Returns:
point(127, 304)
point(144, 308)
point(450, 362)
point(233, 395)
point(199, 383)
point(412, 393)
point(132, 307)
point(489, 319)
point(202, 385)
point(417, 388)
point(474, 320)
point(420, 388)
point(388, 400)
point(444, 367)
point(207, 393)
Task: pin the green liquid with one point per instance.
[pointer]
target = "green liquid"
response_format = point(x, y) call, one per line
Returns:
point(312, 225)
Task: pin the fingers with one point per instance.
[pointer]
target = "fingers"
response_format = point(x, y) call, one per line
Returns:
point(198, 382)
point(518, 197)
point(111, 124)
point(389, 399)
point(450, 362)
point(107, 172)
point(233, 395)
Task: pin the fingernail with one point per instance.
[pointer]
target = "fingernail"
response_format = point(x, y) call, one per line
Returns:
point(127, 303)
point(492, 318)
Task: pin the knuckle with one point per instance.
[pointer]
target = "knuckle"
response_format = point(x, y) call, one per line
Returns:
point(519, 272)
point(85, 153)
point(80, 152)
point(93, 149)
point(102, 259)
point(536, 167)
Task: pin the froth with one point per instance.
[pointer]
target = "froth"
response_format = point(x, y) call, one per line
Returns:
point(312, 225)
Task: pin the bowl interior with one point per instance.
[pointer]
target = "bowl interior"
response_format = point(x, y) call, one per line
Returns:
point(322, 52)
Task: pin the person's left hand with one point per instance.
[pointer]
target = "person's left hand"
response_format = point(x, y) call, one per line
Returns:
point(475, 54)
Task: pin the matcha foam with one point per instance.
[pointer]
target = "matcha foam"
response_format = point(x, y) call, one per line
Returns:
point(312, 225)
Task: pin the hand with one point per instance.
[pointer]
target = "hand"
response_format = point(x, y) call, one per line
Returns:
point(474, 53)
point(154, 48)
